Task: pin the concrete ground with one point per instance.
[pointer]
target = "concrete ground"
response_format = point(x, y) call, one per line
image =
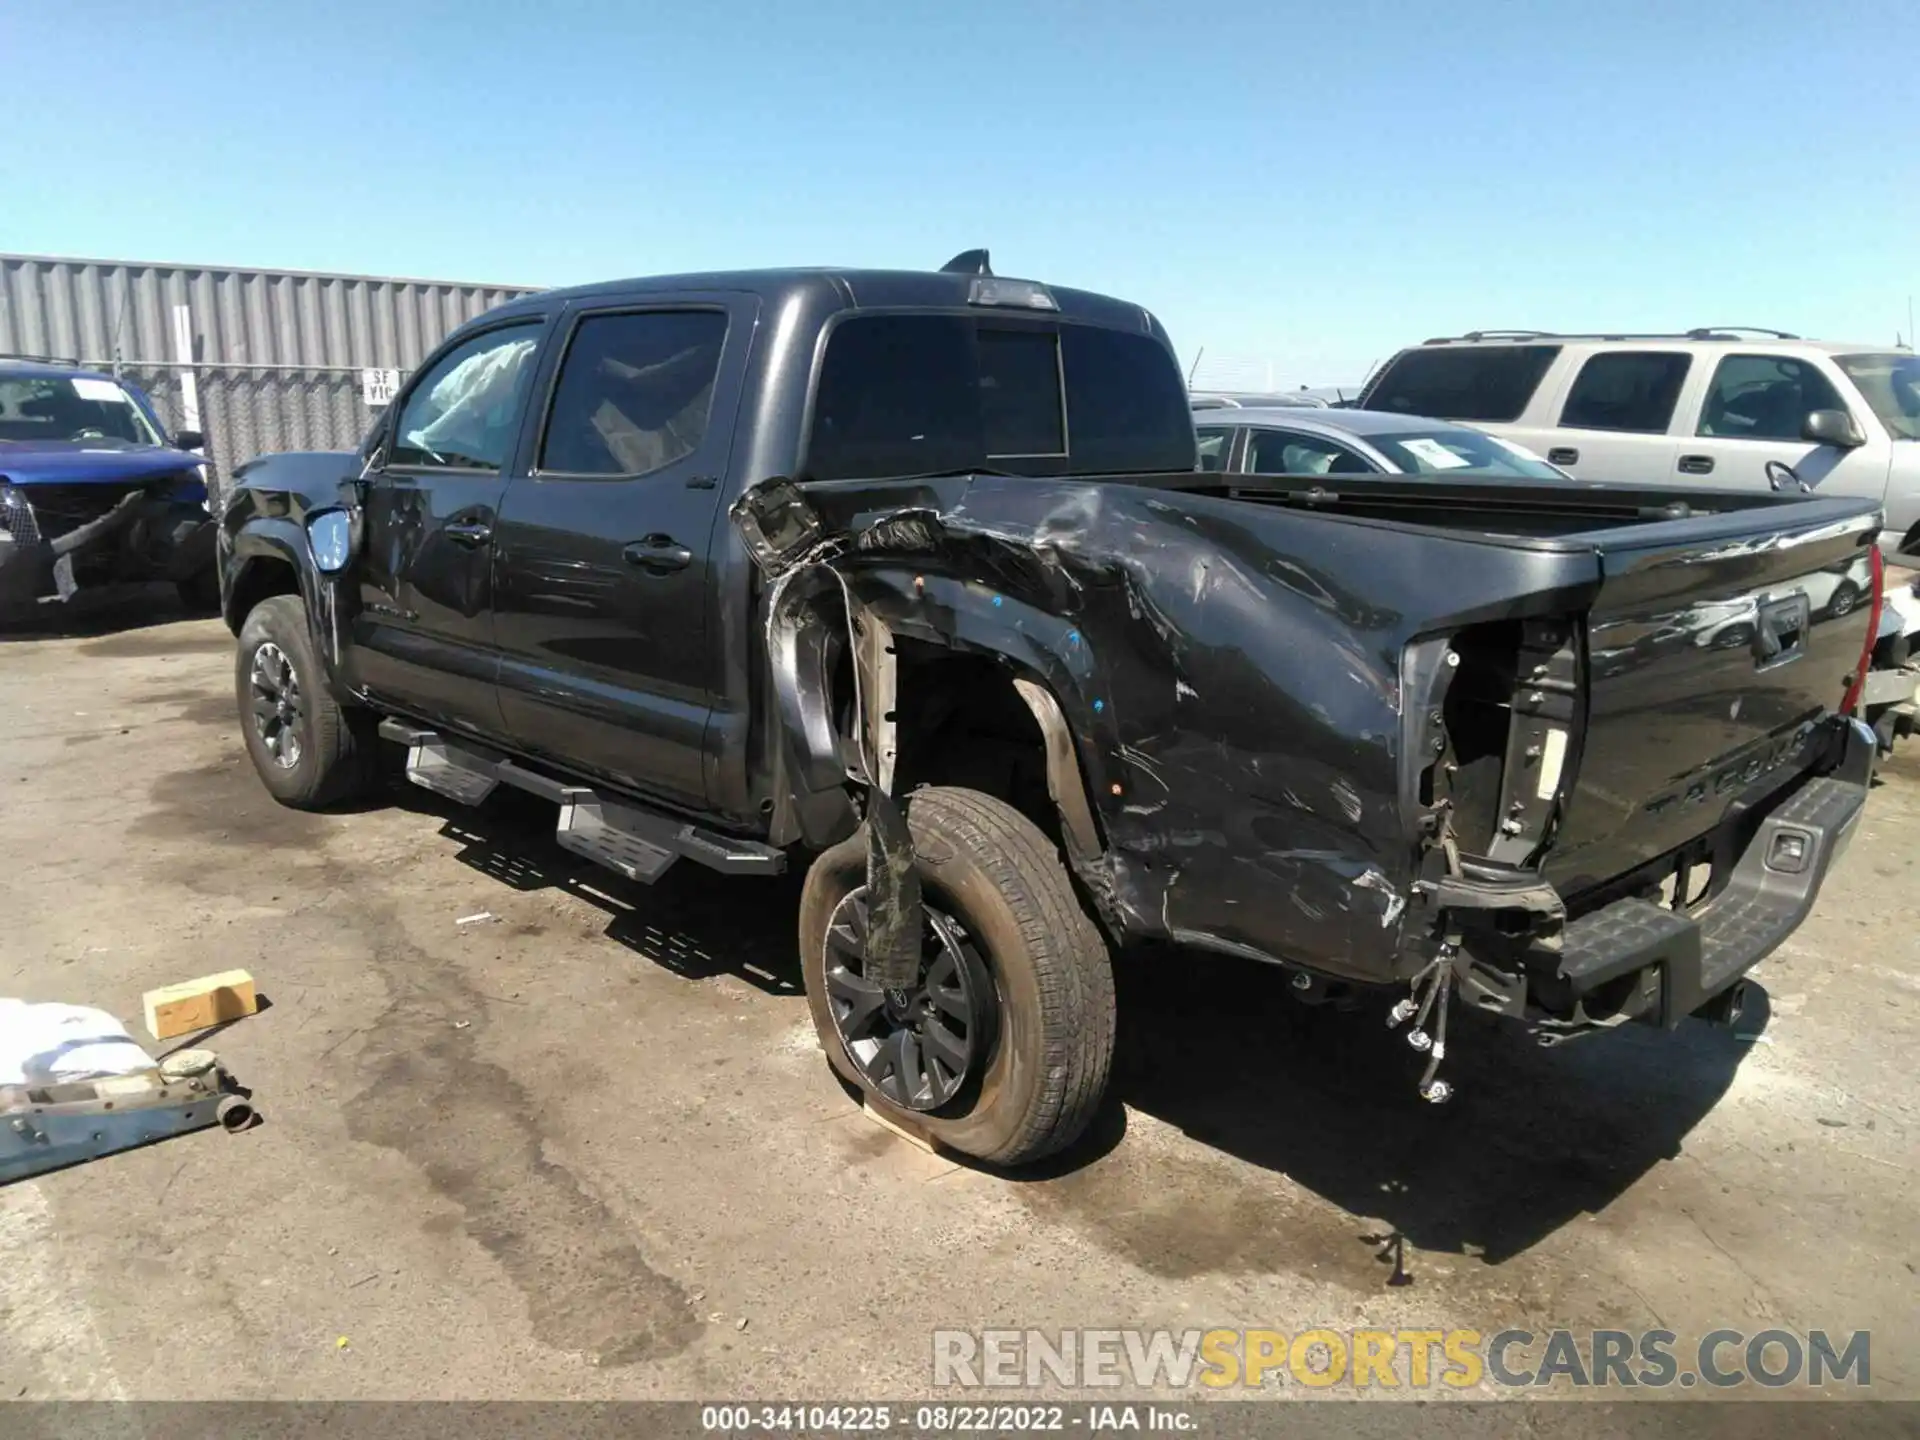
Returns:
point(587, 1147)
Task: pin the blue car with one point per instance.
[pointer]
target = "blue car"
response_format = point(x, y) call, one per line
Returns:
point(93, 491)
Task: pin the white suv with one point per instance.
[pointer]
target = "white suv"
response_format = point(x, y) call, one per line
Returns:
point(1709, 407)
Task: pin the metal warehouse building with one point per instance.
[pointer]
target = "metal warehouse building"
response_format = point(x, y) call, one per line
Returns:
point(258, 360)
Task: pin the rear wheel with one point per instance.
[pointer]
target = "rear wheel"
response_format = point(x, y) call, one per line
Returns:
point(1002, 1046)
point(310, 751)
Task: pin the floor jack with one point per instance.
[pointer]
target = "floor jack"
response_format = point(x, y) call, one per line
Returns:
point(48, 1127)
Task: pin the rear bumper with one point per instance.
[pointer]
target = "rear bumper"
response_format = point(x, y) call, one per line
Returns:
point(1635, 959)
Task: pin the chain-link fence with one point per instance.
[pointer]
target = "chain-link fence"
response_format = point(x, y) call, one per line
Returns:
point(249, 410)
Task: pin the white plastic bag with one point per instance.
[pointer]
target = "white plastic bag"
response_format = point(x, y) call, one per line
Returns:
point(53, 1044)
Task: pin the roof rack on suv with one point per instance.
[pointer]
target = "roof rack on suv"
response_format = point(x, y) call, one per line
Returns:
point(1704, 332)
point(40, 359)
point(1490, 335)
point(1716, 332)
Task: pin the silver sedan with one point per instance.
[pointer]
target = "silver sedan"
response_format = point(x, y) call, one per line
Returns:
point(1289, 441)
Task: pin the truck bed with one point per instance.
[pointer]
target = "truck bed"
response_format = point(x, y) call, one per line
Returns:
point(1289, 694)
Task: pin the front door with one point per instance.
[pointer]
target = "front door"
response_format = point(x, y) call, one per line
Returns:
point(606, 597)
point(1755, 410)
point(423, 637)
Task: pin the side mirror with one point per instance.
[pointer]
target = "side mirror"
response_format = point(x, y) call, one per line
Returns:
point(332, 535)
point(189, 440)
point(1832, 427)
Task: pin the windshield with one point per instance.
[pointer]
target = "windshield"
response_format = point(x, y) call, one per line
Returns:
point(79, 407)
point(1891, 385)
point(1445, 449)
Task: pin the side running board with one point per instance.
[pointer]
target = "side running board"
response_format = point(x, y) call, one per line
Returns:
point(638, 842)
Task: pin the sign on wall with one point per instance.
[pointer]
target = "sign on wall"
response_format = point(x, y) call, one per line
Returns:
point(377, 387)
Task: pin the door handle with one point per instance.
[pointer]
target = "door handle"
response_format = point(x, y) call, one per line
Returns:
point(470, 533)
point(1563, 455)
point(1696, 464)
point(661, 554)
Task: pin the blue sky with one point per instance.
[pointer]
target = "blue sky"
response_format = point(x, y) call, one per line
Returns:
point(1301, 187)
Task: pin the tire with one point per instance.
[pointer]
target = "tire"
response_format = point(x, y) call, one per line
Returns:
point(200, 592)
point(331, 755)
point(1844, 599)
point(1044, 1072)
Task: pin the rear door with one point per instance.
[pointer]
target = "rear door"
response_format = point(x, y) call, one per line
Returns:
point(1753, 409)
point(606, 601)
point(424, 635)
point(1711, 645)
point(1615, 421)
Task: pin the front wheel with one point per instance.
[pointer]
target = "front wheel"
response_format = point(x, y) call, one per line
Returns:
point(310, 751)
point(1001, 1048)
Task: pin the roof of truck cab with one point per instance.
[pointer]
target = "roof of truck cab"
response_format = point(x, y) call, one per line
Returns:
point(853, 289)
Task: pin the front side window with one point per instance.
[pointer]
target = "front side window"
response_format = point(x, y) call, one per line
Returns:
point(1891, 385)
point(1287, 452)
point(1765, 397)
point(634, 393)
point(1626, 390)
point(1488, 383)
point(74, 408)
point(465, 411)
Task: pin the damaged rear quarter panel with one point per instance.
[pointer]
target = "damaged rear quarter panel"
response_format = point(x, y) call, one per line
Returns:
point(1230, 671)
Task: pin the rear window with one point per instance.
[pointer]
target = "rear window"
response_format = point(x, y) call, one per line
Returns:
point(1475, 382)
point(1630, 390)
point(932, 394)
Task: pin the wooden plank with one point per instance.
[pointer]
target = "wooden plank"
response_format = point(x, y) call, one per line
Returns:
point(195, 1004)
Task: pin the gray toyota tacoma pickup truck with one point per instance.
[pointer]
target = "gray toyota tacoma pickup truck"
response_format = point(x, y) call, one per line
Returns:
point(910, 578)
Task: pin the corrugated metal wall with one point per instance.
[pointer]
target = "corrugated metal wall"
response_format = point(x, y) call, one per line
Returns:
point(98, 311)
point(277, 356)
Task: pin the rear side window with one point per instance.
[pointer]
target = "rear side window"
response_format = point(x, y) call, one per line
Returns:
point(1626, 390)
point(634, 392)
point(1764, 397)
point(1490, 383)
point(931, 394)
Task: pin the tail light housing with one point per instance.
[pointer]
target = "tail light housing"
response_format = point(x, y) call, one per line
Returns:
point(1859, 680)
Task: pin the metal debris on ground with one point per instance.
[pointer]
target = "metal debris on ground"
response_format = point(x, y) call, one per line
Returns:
point(481, 918)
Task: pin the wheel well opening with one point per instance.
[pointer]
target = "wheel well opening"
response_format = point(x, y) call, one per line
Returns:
point(262, 578)
point(960, 722)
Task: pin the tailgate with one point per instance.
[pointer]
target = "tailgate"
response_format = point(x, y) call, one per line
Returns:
point(1711, 649)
